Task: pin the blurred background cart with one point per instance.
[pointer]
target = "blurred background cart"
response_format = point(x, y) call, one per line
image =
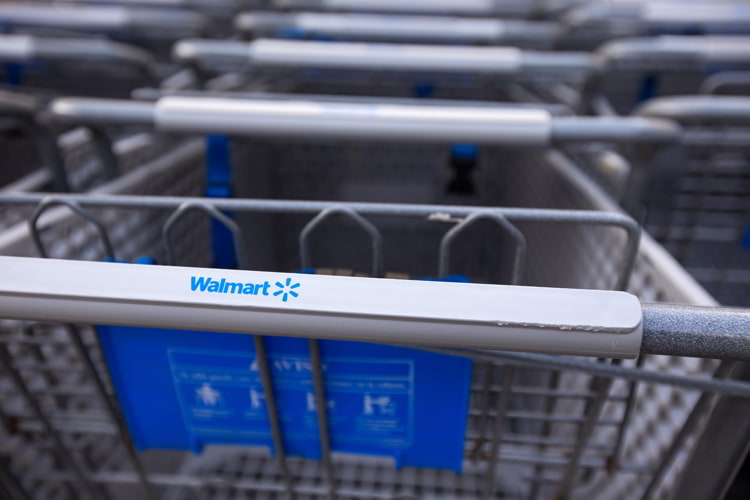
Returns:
point(154, 29)
point(324, 159)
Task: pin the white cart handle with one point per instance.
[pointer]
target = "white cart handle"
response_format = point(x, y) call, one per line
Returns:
point(400, 28)
point(559, 321)
point(379, 56)
point(157, 23)
point(25, 48)
point(674, 52)
point(345, 120)
point(641, 15)
point(495, 125)
point(498, 8)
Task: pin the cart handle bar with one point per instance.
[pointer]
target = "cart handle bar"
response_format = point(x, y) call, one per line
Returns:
point(515, 318)
point(479, 8)
point(663, 53)
point(513, 126)
point(642, 15)
point(379, 56)
point(398, 27)
point(530, 319)
point(104, 18)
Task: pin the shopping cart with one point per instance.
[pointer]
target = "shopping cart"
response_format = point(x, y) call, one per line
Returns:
point(150, 28)
point(637, 69)
point(696, 200)
point(627, 424)
point(476, 8)
point(220, 12)
point(74, 66)
point(589, 25)
point(344, 68)
point(398, 28)
point(614, 79)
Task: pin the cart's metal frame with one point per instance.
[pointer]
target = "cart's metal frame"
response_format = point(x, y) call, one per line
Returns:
point(678, 287)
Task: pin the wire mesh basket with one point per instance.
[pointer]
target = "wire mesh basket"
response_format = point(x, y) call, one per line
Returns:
point(539, 425)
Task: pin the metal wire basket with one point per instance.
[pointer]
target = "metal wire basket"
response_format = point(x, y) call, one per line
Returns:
point(632, 423)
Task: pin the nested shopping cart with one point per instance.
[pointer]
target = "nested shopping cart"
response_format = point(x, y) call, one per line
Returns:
point(220, 12)
point(397, 70)
point(538, 425)
point(398, 28)
point(477, 8)
point(591, 24)
point(616, 78)
point(154, 29)
point(75, 66)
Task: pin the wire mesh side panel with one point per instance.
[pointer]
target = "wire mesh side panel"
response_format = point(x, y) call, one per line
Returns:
point(43, 356)
point(19, 152)
point(659, 411)
point(92, 79)
point(698, 207)
point(85, 168)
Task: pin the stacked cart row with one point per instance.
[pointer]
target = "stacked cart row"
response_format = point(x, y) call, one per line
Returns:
point(374, 249)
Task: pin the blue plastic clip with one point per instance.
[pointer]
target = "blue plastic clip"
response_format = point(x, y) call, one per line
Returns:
point(423, 90)
point(14, 74)
point(219, 185)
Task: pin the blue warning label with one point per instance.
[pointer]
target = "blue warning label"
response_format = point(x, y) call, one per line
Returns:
point(369, 400)
point(183, 390)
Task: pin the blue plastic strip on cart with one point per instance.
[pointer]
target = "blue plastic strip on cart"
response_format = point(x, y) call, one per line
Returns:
point(187, 389)
point(14, 72)
point(219, 185)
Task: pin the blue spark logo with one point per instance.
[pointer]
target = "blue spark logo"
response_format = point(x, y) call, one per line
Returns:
point(286, 289)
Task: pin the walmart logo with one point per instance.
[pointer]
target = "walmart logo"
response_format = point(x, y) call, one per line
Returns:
point(286, 289)
point(210, 285)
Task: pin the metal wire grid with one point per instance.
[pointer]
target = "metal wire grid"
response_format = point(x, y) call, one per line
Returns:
point(86, 169)
point(19, 151)
point(698, 207)
point(147, 228)
point(45, 355)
